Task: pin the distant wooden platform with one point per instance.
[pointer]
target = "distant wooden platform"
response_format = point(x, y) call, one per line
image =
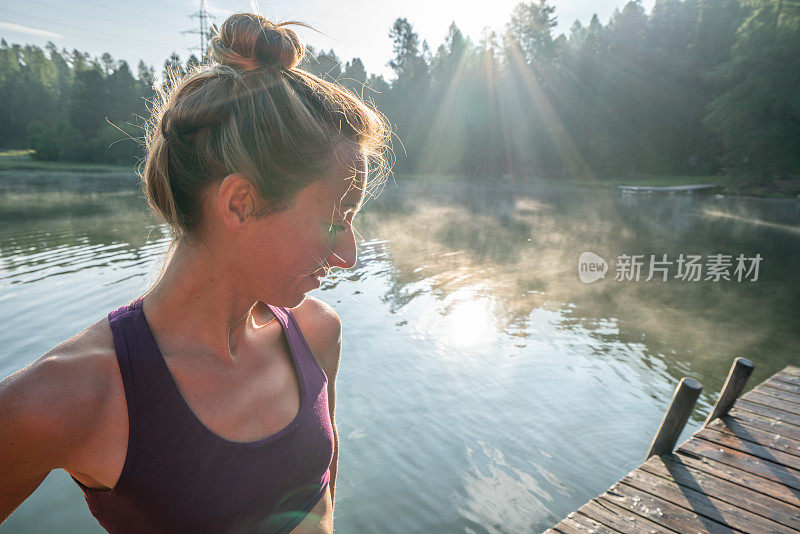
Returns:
point(741, 473)
point(673, 189)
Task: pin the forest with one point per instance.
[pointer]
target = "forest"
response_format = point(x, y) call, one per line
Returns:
point(695, 87)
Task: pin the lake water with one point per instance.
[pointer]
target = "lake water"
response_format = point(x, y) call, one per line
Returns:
point(483, 387)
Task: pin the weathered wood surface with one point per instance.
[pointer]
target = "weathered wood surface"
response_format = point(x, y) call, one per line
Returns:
point(689, 475)
point(738, 476)
point(668, 189)
point(620, 519)
point(773, 439)
point(772, 384)
point(740, 473)
point(768, 411)
point(768, 424)
point(740, 371)
point(779, 393)
point(740, 460)
point(680, 408)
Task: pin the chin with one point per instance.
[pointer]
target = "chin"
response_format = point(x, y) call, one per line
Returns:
point(288, 301)
point(302, 299)
point(293, 295)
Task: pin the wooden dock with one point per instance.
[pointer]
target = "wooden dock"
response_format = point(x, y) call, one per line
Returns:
point(672, 189)
point(739, 473)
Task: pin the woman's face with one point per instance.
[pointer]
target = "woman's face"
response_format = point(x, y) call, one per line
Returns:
point(292, 249)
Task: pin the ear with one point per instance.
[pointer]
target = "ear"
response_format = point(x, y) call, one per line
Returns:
point(235, 202)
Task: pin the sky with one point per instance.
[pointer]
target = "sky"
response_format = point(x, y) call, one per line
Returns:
point(138, 29)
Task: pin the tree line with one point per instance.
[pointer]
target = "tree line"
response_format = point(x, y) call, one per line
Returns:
point(694, 87)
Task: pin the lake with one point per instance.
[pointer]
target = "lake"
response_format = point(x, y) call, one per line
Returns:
point(483, 386)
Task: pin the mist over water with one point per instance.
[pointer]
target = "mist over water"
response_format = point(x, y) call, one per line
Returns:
point(483, 387)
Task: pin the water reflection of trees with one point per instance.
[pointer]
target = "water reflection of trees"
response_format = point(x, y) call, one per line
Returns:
point(65, 226)
point(518, 246)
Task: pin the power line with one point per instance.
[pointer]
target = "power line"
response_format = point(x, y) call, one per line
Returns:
point(150, 6)
point(91, 31)
point(130, 13)
point(92, 34)
point(96, 17)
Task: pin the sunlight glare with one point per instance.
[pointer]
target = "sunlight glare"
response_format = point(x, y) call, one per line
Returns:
point(469, 323)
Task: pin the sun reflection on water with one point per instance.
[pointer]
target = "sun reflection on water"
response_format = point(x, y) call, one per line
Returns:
point(464, 320)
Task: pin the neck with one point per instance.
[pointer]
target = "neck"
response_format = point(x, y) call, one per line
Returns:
point(197, 306)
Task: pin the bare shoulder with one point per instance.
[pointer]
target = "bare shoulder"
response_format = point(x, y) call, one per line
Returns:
point(322, 329)
point(56, 399)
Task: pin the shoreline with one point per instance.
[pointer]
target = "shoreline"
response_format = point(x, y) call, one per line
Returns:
point(89, 177)
point(39, 181)
point(727, 186)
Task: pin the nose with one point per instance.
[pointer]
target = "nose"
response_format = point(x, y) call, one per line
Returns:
point(344, 253)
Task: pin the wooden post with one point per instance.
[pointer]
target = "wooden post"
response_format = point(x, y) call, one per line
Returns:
point(737, 379)
point(675, 419)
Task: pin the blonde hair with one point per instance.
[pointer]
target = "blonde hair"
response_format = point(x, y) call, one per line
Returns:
point(253, 112)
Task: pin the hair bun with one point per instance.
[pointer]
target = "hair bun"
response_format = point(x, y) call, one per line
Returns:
point(247, 41)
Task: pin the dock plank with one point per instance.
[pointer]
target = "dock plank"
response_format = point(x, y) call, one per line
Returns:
point(588, 524)
point(620, 519)
point(783, 394)
point(739, 476)
point(753, 449)
point(787, 417)
point(768, 424)
point(659, 511)
point(771, 401)
point(743, 461)
point(778, 384)
point(788, 379)
point(683, 474)
point(708, 506)
point(688, 189)
point(771, 439)
point(792, 370)
point(571, 526)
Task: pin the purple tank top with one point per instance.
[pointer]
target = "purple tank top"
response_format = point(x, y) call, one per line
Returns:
point(179, 476)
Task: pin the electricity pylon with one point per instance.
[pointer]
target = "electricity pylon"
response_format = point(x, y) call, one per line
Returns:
point(205, 30)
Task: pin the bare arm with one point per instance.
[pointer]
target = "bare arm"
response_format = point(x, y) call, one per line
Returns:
point(45, 411)
point(23, 463)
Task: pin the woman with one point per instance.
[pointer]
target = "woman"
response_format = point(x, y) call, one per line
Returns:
point(207, 405)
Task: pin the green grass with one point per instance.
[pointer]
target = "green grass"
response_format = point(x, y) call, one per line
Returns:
point(22, 160)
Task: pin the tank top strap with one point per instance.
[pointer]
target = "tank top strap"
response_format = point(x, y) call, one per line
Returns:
point(122, 310)
point(138, 352)
point(298, 344)
point(153, 401)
